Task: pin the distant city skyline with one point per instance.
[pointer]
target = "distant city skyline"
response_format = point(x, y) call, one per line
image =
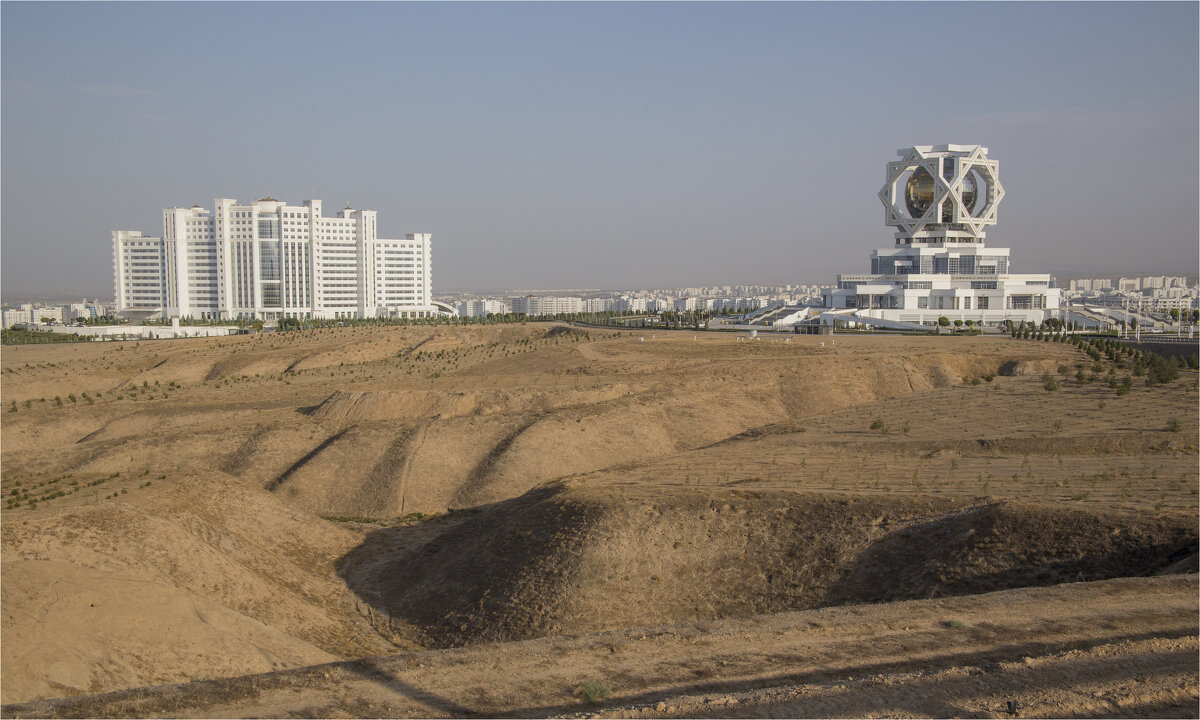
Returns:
point(1062, 281)
point(602, 145)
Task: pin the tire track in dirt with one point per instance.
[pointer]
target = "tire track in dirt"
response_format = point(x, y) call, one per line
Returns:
point(413, 448)
point(389, 476)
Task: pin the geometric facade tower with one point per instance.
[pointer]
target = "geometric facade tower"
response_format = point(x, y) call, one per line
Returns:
point(940, 193)
point(940, 199)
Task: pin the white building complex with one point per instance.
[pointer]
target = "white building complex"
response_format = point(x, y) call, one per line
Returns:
point(545, 304)
point(481, 307)
point(269, 260)
point(940, 198)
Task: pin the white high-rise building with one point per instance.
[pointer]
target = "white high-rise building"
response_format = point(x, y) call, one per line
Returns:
point(139, 270)
point(940, 198)
point(269, 260)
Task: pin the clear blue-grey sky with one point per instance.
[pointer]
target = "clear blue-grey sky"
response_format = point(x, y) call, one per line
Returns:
point(600, 144)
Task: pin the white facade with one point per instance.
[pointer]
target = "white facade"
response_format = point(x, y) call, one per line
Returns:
point(598, 305)
point(940, 199)
point(54, 313)
point(269, 260)
point(545, 305)
point(139, 271)
point(481, 307)
point(15, 317)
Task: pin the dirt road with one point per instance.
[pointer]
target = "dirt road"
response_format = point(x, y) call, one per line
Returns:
point(1123, 648)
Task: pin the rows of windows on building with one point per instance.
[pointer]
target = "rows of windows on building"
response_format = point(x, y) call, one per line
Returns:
point(269, 260)
point(534, 305)
point(712, 298)
point(1155, 293)
point(917, 284)
point(67, 313)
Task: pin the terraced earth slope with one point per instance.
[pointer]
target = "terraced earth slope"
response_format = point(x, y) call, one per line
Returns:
point(189, 510)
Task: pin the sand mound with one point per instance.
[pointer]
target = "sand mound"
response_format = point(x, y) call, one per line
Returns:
point(346, 407)
point(563, 560)
point(1028, 367)
point(483, 446)
point(100, 630)
point(190, 577)
point(828, 383)
point(1011, 544)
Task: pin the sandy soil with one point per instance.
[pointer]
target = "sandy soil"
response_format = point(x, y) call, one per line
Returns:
point(198, 509)
point(1052, 652)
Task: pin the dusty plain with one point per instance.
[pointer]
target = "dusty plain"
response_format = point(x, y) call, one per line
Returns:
point(537, 519)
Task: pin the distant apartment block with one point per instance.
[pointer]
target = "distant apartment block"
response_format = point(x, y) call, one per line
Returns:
point(545, 304)
point(17, 317)
point(1160, 294)
point(481, 307)
point(268, 260)
point(33, 314)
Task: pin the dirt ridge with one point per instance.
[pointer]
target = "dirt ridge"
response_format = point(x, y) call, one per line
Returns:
point(565, 559)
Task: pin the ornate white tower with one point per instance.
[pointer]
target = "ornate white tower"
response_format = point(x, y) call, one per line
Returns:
point(940, 198)
point(941, 194)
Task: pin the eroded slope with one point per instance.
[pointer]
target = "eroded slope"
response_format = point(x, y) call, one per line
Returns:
point(566, 560)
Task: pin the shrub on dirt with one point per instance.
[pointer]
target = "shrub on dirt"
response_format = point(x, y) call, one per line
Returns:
point(593, 692)
point(1161, 370)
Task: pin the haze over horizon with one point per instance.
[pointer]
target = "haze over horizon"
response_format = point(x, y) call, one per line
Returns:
point(607, 145)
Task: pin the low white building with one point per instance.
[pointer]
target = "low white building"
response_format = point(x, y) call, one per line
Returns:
point(481, 307)
point(533, 305)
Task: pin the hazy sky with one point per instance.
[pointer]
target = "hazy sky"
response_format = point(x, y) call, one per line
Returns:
point(550, 145)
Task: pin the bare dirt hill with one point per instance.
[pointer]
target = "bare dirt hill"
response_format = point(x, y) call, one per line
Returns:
point(192, 509)
point(477, 414)
point(154, 579)
point(566, 560)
